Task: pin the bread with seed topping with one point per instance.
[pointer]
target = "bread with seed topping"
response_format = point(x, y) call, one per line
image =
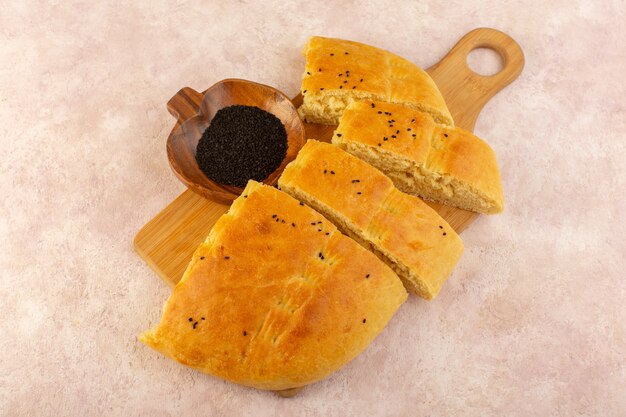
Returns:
point(339, 72)
point(443, 164)
point(401, 229)
point(275, 298)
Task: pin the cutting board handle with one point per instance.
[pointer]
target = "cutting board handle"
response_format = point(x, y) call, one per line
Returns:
point(185, 104)
point(477, 89)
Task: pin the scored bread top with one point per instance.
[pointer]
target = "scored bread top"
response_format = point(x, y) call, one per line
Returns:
point(364, 201)
point(276, 297)
point(336, 67)
point(407, 138)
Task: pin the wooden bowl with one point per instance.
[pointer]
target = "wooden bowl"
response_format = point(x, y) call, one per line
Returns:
point(194, 112)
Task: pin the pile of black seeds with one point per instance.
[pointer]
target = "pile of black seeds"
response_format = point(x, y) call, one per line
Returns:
point(241, 143)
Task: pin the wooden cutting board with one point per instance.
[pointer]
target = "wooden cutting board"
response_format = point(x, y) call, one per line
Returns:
point(167, 241)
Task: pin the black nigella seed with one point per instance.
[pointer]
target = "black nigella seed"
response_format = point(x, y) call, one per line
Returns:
point(332, 172)
point(332, 54)
point(341, 75)
point(319, 230)
point(241, 143)
point(304, 91)
point(412, 120)
point(353, 87)
point(359, 193)
point(345, 81)
point(364, 320)
point(444, 233)
point(441, 227)
point(321, 88)
point(195, 324)
point(226, 257)
point(301, 203)
point(393, 136)
point(313, 224)
point(245, 196)
point(325, 171)
point(408, 129)
point(339, 135)
point(361, 80)
point(379, 144)
point(379, 112)
point(245, 333)
point(414, 135)
point(367, 276)
point(202, 258)
point(202, 318)
point(385, 139)
point(319, 222)
point(274, 216)
point(190, 319)
point(445, 134)
point(341, 87)
point(277, 220)
point(373, 105)
point(327, 233)
point(282, 221)
point(345, 53)
point(308, 73)
point(293, 224)
point(320, 70)
point(397, 131)
point(353, 181)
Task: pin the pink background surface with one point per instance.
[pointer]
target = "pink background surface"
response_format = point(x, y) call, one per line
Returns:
point(532, 322)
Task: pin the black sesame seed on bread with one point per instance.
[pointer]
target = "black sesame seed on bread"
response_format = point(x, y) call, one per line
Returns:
point(339, 72)
point(401, 229)
point(275, 298)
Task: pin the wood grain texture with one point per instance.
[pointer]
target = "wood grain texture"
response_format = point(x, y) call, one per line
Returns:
point(167, 242)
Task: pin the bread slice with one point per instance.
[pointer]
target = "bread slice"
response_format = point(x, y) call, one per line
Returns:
point(339, 72)
point(275, 298)
point(438, 163)
point(401, 229)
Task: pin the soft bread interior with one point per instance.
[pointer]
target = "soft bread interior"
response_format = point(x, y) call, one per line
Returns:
point(422, 261)
point(448, 165)
point(328, 106)
point(339, 72)
point(414, 178)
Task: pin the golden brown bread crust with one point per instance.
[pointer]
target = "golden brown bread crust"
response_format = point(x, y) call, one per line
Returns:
point(406, 141)
point(276, 298)
point(338, 71)
point(401, 228)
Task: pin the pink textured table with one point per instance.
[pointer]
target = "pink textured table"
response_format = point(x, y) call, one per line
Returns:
point(532, 322)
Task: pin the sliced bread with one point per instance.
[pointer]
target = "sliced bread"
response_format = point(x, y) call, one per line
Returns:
point(443, 164)
point(363, 203)
point(339, 72)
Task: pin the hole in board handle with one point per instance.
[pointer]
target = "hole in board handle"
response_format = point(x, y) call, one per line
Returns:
point(485, 61)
